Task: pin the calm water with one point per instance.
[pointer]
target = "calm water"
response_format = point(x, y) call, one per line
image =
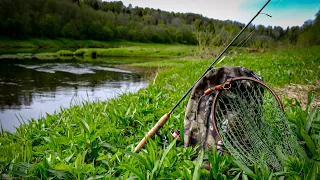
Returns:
point(30, 89)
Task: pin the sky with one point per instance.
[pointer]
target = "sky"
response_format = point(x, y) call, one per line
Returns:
point(284, 12)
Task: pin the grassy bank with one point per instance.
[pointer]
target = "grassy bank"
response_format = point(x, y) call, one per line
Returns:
point(55, 43)
point(139, 51)
point(88, 48)
point(95, 140)
point(71, 43)
point(6, 42)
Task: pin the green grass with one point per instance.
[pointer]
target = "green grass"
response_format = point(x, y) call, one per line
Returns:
point(141, 50)
point(103, 49)
point(300, 66)
point(54, 43)
point(6, 42)
point(65, 53)
point(96, 140)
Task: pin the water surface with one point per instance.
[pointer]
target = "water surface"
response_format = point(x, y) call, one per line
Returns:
point(30, 89)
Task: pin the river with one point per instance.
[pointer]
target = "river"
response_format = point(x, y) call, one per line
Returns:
point(32, 88)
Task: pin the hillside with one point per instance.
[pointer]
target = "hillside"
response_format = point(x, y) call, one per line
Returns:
point(105, 21)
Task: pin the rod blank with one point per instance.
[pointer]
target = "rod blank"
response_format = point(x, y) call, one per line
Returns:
point(165, 117)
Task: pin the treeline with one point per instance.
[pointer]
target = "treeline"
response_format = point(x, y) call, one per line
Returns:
point(309, 33)
point(98, 20)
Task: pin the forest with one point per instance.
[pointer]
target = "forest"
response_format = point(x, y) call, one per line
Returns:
point(105, 21)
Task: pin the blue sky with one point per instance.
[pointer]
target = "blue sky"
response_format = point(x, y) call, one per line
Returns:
point(284, 12)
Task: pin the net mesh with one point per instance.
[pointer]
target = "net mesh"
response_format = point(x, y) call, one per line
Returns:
point(251, 123)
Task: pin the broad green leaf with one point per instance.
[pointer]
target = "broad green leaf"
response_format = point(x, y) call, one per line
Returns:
point(283, 158)
point(140, 159)
point(155, 168)
point(187, 173)
point(47, 139)
point(245, 169)
point(151, 152)
point(67, 159)
point(107, 145)
point(300, 150)
point(53, 142)
point(103, 157)
point(19, 173)
point(309, 142)
point(244, 177)
point(271, 176)
point(237, 176)
point(310, 99)
point(63, 140)
point(59, 174)
point(61, 167)
point(316, 126)
point(166, 151)
point(196, 174)
point(84, 153)
point(312, 172)
point(310, 118)
point(134, 171)
point(78, 162)
point(318, 117)
point(85, 126)
point(95, 177)
point(279, 173)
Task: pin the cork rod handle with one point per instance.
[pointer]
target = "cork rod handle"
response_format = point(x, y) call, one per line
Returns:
point(152, 132)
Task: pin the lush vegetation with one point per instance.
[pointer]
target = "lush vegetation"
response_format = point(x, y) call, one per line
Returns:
point(146, 50)
point(100, 20)
point(96, 140)
point(117, 49)
point(45, 43)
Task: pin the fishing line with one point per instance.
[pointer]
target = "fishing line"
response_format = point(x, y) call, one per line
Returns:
point(230, 55)
point(166, 116)
point(251, 34)
point(279, 3)
point(245, 40)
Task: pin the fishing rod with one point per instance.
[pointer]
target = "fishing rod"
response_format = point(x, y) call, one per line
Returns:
point(165, 117)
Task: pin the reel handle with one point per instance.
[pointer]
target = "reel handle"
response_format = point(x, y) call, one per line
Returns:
point(153, 131)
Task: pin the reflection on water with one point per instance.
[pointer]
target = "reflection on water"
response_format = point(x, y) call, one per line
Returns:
point(31, 89)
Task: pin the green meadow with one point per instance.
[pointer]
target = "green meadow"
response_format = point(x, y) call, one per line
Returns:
point(44, 49)
point(56, 43)
point(96, 140)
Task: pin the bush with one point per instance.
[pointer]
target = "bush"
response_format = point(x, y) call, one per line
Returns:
point(65, 53)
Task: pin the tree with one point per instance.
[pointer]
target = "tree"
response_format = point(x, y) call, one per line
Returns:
point(103, 20)
point(204, 36)
point(310, 32)
point(149, 20)
point(50, 26)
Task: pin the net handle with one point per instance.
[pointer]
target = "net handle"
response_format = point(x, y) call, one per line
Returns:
point(237, 79)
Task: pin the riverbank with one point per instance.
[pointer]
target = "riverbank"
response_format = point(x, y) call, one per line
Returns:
point(6, 42)
point(91, 49)
point(94, 140)
point(53, 43)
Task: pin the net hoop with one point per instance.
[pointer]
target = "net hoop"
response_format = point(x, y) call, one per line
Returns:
point(229, 86)
point(226, 87)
